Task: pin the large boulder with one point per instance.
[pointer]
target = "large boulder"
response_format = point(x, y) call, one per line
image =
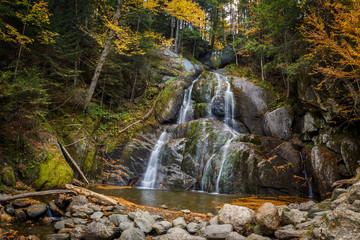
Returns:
point(278, 123)
point(144, 221)
point(251, 103)
point(8, 176)
point(324, 164)
point(218, 232)
point(237, 216)
point(133, 234)
point(267, 216)
point(98, 231)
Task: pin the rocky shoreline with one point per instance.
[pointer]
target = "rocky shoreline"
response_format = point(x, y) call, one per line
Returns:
point(79, 217)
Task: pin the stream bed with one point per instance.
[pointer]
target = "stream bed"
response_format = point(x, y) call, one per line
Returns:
point(195, 201)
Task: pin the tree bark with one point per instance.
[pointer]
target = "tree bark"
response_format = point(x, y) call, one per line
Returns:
point(37, 194)
point(177, 35)
point(88, 193)
point(105, 52)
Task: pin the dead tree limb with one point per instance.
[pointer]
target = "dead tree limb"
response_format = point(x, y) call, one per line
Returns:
point(74, 163)
point(88, 193)
point(36, 194)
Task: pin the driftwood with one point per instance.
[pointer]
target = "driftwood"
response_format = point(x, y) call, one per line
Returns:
point(344, 183)
point(36, 194)
point(88, 193)
point(74, 163)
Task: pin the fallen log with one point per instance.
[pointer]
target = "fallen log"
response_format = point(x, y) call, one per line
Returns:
point(88, 193)
point(74, 163)
point(37, 194)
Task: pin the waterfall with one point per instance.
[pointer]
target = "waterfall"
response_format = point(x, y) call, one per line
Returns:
point(187, 105)
point(310, 194)
point(150, 174)
point(205, 176)
point(229, 107)
point(223, 160)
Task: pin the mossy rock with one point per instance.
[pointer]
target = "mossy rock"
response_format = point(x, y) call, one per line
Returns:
point(201, 110)
point(8, 177)
point(54, 172)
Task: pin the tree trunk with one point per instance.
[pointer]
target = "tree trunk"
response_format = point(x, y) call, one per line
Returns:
point(133, 90)
point(177, 35)
point(262, 68)
point(103, 56)
point(172, 27)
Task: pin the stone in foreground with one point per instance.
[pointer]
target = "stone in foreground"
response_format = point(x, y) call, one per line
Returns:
point(217, 232)
point(237, 216)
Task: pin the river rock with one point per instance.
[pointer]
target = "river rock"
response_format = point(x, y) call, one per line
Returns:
point(22, 203)
point(179, 236)
point(289, 234)
point(132, 234)
point(126, 225)
point(177, 230)
point(144, 221)
point(278, 123)
point(96, 215)
point(179, 223)
point(235, 236)
point(20, 215)
point(291, 216)
point(81, 209)
point(56, 211)
point(61, 224)
point(162, 227)
point(307, 205)
point(218, 231)
point(214, 220)
point(77, 233)
point(78, 201)
point(193, 227)
point(59, 236)
point(98, 231)
point(8, 176)
point(10, 209)
point(36, 210)
point(268, 218)
point(237, 216)
point(254, 236)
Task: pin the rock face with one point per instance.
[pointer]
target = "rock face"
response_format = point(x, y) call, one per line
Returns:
point(237, 216)
point(278, 123)
point(267, 216)
point(326, 169)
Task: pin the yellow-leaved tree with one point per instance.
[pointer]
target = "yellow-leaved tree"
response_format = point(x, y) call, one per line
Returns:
point(125, 40)
point(333, 31)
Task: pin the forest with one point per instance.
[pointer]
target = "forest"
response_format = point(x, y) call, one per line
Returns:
point(133, 93)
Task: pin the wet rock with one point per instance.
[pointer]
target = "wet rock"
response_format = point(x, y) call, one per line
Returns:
point(36, 210)
point(60, 236)
point(307, 205)
point(162, 227)
point(22, 203)
point(20, 215)
point(126, 225)
point(78, 201)
point(237, 216)
point(179, 223)
point(214, 220)
point(98, 231)
point(10, 209)
point(254, 236)
point(61, 224)
point(217, 107)
point(62, 201)
point(268, 218)
point(132, 234)
point(56, 211)
point(8, 176)
point(218, 231)
point(325, 168)
point(144, 221)
point(235, 236)
point(278, 123)
point(193, 227)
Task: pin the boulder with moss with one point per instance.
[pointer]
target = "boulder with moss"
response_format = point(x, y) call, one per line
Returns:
point(8, 176)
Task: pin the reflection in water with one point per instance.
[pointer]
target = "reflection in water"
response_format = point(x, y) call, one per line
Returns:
point(199, 202)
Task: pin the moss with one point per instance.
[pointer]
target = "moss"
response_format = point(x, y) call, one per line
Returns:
point(9, 176)
point(54, 172)
point(89, 160)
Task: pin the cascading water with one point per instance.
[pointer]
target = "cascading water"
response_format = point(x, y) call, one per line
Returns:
point(149, 179)
point(217, 91)
point(223, 160)
point(229, 107)
point(310, 194)
point(187, 105)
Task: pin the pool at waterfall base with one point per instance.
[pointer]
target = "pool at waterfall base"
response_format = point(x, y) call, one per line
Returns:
point(195, 201)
